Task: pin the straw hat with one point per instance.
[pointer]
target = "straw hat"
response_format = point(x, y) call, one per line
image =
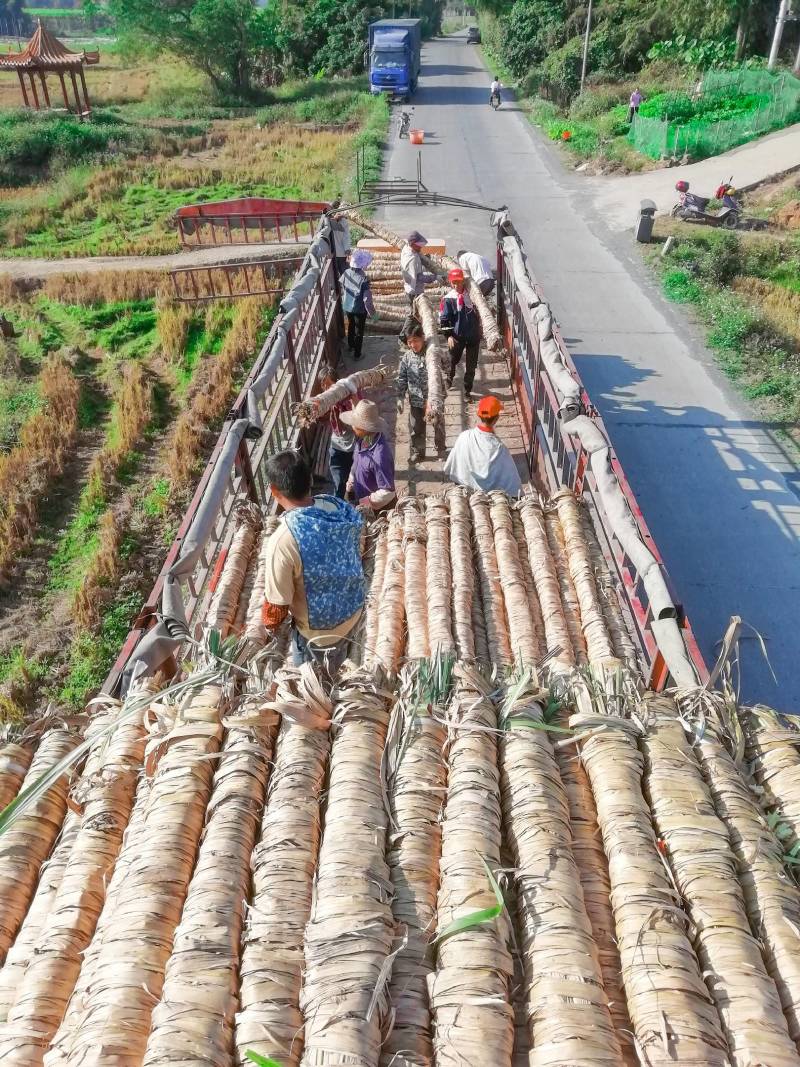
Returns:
point(364, 416)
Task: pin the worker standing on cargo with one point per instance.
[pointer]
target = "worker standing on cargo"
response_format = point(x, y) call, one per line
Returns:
point(357, 300)
point(479, 269)
point(343, 440)
point(479, 459)
point(313, 566)
point(412, 378)
point(459, 321)
point(415, 277)
point(372, 476)
point(342, 242)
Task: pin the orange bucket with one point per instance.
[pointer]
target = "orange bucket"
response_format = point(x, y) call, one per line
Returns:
point(416, 136)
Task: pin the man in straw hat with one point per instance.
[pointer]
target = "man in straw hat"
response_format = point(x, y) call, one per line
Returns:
point(313, 566)
point(357, 299)
point(372, 475)
point(479, 459)
point(415, 277)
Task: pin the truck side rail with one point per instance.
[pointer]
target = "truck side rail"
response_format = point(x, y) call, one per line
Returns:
point(558, 459)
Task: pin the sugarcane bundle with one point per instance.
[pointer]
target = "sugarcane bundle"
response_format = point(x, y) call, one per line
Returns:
point(438, 577)
point(194, 1018)
point(704, 867)
point(15, 759)
point(569, 598)
point(773, 751)
point(415, 538)
point(673, 1016)
point(598, 640)
point(372, 606)
point(624, 648)
point(389, 642)
point(27, 843)
point(222, 610)
point(128, 972)
point(254, 630)
point(463, 574)
point(416, 777)
point(771, 899)
point(469, 992)
point(270, 1022)
point(483, 656)
point(489, 579)
point(524, 640)
point(434, 359)
point(568, 1008)
point(534, 607)
point(254, 580)
point(308, 411)
point(546, 582)
point(350, 935)
point(107, 797)
point(159, 720)
point(52, 872)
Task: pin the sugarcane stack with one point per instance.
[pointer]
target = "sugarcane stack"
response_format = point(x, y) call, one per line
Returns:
point(483, 833)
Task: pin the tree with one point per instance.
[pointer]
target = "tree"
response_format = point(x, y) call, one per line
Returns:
point(223, 38)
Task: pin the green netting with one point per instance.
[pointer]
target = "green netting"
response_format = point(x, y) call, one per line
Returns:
point(776, 100)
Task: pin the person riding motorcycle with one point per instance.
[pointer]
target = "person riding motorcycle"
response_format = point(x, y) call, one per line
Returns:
point(494, 91)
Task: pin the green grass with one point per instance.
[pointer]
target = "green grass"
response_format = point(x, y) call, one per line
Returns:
point(324, 101)
point(16, 666)
point(205, 337)
point(19, 399)
point(76, 546)
point(157, 500)
point(93, 655)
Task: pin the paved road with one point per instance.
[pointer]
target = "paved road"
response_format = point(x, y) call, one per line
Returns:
point(618, 198)
point(721, 498)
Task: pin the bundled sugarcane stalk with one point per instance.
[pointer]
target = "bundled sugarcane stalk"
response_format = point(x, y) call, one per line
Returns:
point(27, 844)
point(106, 796)
point(568, 1009)
point(351, 933)
point(128, 972)
point(434, 359)
point(773, 751)
point(416, 777)
point(194, 1019)
point(254, 630)
point(569, 597)
point(15, 759)
point(438, 578)
point(545, 580)
point(704, 867)
point(469, 993)
point(270, 1022)
point(771, 899)
point(224, 603)
point(599, 648)
point(372, 606)
point(624, 648)
point(534, 607)
point(415, 539)
point(524, 642)
point(389, 642)
point(308, 411)
point(463, 574)
point(500, 653)
point(674, 1019)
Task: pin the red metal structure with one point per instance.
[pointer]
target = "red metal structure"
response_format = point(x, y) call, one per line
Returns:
point(44, 54)
point(227, 281)
point(249, 220)
point(556, 459)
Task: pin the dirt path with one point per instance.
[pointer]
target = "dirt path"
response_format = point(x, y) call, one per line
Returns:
point(198, 257)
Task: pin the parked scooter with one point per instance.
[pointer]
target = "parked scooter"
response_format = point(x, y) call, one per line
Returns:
point(405, 124)
point(694, 208)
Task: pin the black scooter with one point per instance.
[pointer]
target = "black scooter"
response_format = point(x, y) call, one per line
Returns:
point(405, 124)
point(495, 100)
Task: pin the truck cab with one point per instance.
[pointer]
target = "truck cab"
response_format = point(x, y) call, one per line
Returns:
point(394, 56)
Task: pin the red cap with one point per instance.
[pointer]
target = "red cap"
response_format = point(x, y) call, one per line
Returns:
point(489, 407)
point(455, 275)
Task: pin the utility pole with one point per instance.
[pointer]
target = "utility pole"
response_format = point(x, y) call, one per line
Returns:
point(796, 67)
point(586, 42)
point(780, 22)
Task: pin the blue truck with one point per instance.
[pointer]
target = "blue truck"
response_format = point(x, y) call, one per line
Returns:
point(395, 46)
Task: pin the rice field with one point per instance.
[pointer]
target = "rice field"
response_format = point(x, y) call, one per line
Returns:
point(481, 834)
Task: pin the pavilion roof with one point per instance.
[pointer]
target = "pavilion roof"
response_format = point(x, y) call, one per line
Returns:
point(44, 51)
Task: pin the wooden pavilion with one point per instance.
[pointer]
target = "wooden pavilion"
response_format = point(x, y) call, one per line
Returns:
point(44, 54)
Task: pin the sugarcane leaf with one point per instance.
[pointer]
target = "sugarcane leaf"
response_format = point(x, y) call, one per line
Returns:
point(793, 851)
point(476, 918)
point(783, 831)
point(213, 641)
point(262, 1061)
point(773, 818)
point(516, 722)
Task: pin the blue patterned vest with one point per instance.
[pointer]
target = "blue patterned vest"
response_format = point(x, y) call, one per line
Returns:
point(327, 535)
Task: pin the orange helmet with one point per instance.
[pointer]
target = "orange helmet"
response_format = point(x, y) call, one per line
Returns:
point(489, 407)
point(456, 275)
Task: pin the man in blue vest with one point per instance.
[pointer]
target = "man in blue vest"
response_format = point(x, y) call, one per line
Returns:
point(313, 566)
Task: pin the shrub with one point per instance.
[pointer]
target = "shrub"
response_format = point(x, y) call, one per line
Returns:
point(680, 286)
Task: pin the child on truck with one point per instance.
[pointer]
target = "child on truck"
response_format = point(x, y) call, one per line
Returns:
point(412, 378)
